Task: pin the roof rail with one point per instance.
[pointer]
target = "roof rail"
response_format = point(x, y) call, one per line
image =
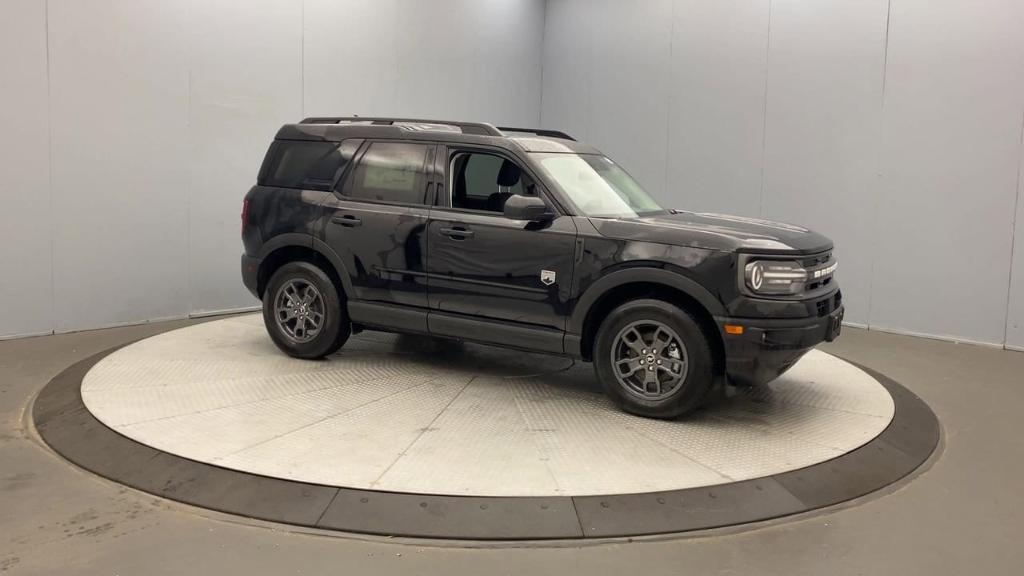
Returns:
point(539, 132)
point(478, 128)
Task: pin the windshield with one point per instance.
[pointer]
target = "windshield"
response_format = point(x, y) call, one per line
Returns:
point(597, 186)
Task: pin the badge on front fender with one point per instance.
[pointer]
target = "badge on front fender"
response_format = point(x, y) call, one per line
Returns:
point(547, 277)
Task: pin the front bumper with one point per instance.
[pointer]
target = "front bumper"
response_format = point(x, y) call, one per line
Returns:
point(769, 347)
point(250, 274)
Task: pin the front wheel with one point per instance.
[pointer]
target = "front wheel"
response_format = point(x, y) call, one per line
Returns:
point(653, 359)
point(303, 312)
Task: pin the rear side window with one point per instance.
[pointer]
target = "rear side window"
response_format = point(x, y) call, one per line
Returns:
point(306, 165)
point(390, 172)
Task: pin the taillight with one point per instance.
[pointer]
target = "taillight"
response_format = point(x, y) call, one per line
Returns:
point(245, 214)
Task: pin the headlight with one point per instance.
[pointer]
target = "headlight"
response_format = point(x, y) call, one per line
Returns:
point(775, 277)
point(802, 277)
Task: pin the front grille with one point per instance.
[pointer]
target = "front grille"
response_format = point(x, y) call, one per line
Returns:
point(816, 260)
point(811, 286)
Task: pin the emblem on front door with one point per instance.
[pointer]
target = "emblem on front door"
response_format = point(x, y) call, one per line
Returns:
point(547, 277)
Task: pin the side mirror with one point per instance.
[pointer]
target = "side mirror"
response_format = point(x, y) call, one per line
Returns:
point(531, 208)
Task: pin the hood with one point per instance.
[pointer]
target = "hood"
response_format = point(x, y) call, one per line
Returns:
point(715, 232)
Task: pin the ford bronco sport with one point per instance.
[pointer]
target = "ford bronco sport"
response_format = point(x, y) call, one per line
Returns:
point(528, 239)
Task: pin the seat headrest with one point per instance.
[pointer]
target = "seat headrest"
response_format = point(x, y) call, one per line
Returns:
point(496, 201)
point(509, 174)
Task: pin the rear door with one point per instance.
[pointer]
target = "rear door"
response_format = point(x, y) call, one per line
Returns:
point(485, 267)
point(376, 222)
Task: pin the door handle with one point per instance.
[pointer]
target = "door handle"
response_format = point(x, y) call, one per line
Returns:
point(457, 233)
point(347, 220)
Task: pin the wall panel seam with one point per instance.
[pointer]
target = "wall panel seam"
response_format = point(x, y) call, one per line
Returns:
point(764, 112)
point(302, 59)
point(1013, 232)
point(878, 163)
point(51, 321)
point(669, 85)
point(191, 171)
point(543, 51)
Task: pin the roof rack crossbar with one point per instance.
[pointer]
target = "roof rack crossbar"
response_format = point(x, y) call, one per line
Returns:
point(478, 128)
point(538, 132)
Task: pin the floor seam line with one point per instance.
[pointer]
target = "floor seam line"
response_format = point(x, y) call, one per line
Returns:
point(320, 518)
point(576, 511)
point(422, 432)
point(683, 454)
point(321, 420)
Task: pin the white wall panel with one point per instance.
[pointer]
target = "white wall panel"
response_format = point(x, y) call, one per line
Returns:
point(824, 109)
point(951, 147)
point(458, 59)
point(1015, 317)
point(25, 283)
point(119, 117)
point(672, 90)
point(472, 60)
point(629, 86)
point(605, 80)
point(716, 116)
point(243, 86)
point(350, 57)
point(565, 90)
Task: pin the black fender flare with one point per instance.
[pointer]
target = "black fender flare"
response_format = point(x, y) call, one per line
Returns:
point(294, 239)
point(652, 275)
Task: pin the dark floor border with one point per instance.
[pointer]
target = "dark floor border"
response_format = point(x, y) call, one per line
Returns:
point(67, 426)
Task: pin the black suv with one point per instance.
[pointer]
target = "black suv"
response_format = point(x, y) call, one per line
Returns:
point(528, 239)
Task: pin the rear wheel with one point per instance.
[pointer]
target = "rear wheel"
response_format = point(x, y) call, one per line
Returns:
point(654, 359)
point(303, 312)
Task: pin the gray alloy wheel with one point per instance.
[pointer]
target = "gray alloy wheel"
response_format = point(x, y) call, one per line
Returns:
point(631, 341)
point(304, 311)
point(649, 359)
point(299, 310)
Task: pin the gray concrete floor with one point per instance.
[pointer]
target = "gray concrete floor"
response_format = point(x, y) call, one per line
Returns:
point(963, 515)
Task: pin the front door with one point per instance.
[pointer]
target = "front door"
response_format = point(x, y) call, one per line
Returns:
point(492, 278)
point(377, 223)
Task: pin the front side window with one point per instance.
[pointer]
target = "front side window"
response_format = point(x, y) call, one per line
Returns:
point(390, 172)
point(481, 181)
point(598, 187)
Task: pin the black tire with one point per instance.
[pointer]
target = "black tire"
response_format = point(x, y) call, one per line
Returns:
point(698, 377)
point(334, 328)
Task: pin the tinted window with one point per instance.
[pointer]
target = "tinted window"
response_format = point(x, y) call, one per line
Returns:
point(307, 165)
point(391, 172)
point(484, 181)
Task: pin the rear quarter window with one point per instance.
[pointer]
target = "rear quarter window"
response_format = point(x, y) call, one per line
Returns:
point(306, 165)
point(390, 172)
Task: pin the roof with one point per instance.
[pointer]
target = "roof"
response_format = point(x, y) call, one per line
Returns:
point(342, 128)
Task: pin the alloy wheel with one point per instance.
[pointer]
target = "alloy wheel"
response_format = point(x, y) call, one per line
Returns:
point(649, 359)
point(299, 310)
